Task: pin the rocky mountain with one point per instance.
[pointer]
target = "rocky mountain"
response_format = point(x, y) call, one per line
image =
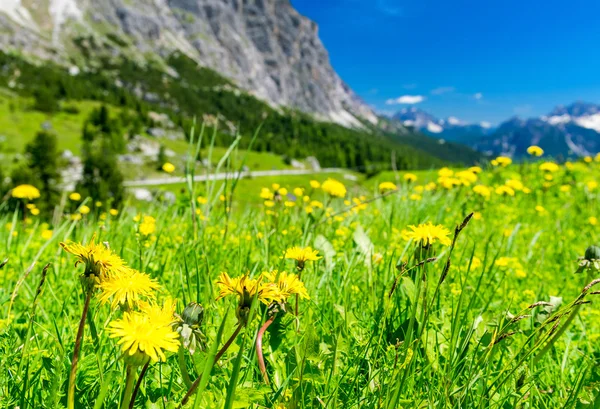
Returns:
point(572, 130)
point(450, 128)
point(265, 46)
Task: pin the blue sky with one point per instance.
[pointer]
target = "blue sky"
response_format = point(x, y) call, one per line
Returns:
point(479, 60)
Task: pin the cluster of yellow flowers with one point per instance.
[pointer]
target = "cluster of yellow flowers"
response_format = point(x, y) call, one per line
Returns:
point(145, 329)
point(278, 195)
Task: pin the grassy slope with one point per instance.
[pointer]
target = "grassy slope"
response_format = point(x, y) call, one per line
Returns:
point(19, 123)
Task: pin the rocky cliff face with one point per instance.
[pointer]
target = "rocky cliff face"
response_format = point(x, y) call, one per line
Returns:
point(265, 46)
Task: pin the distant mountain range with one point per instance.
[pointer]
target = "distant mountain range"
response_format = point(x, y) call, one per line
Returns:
point(451, 128)
point(567, 131)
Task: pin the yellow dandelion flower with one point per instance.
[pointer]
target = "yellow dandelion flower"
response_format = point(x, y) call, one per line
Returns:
point(98, 259)
point(482, 190)
point(25, 192)
point(269, 203)
point(535, 151)
point(334, 188)
point(549, 167)
point(317, 204)
point(445, 172)
point(160, 314)
point(76, 197)
point(466, 177)
point(315, 184)
point(475, 169)
point(266, 194)
point(410, 177)
point(593, 220)
point(168, 167)
point(427, 234)
point(415, 197)
point(588, 159)
point(35, 211)
point(302, 254)
point(287, 285)
point(141, 339)
point(503, 161)
point(540, 209)
point(246, 289)
point(84, 209)
point(299, 192)
point(565, 188)
point(127, 289)
point(514, 184)
point(147, 226)
point(505, 191)
point(387, 186)
point(113, 212)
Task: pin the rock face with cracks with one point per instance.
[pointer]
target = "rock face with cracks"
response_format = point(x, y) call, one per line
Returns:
point(264, 46)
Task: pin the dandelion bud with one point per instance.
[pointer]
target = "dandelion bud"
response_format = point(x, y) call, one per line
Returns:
point(590, 261)
point(592, 253)
point(193, 314)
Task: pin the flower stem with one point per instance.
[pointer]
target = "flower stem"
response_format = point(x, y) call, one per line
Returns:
point(129, 379)
point(259, 352)
point(76, 351)
point(138, 384)
point(183, 367)
point(192, 389)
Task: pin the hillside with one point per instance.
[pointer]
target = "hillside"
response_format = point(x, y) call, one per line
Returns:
point(266, 47)
point(184, 91)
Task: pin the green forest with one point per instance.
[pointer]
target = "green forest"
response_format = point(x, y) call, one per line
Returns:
point(197, 92)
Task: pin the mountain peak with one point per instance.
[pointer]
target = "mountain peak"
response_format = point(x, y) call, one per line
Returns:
point(265, 47)
point(576, 109)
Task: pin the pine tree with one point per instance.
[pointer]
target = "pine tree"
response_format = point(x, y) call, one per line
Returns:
point(161, 158)
point(42, 155)
point(101, 180)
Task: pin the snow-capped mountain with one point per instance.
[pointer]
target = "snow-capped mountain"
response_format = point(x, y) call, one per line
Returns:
point(450, 128)
point(582, 114)
point(573, 130)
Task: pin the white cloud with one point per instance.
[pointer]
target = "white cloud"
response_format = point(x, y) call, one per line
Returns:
point(485, 124)
point(442, 90)
point(406, 99)
point(452, 120)
point(478, 96)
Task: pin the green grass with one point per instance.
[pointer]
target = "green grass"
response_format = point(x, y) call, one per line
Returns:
point(248, 189)
point(21, 123)
point(498, 319)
